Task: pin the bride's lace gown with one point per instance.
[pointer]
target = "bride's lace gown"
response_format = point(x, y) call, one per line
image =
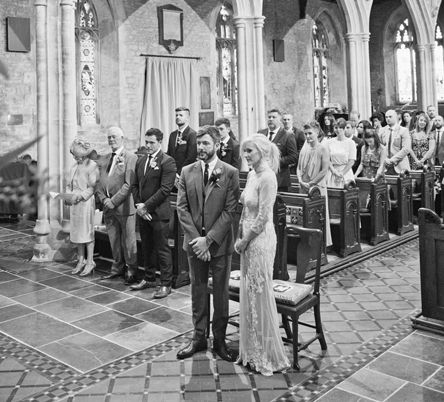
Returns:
point(260, 341)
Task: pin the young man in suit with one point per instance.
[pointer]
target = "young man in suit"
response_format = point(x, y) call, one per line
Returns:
point(182, 142)
point(114, 192)
point(287, 146)
point(229, 150)
point(206, 205)
point(438, 131)
point(154, 180)
point(398, 142)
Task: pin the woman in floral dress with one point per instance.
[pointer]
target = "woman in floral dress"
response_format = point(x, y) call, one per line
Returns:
point(423, 144)
point(260, 345)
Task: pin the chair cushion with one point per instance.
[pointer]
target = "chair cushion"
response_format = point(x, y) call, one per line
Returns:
point(285, 292)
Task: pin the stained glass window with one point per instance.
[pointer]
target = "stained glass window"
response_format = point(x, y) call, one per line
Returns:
point(87, 62)
point(320, 66)
point(439, 64)
point(405, 63)
point(226, 62)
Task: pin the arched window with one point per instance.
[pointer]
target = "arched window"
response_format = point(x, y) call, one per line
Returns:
point(87, 41)
point(320, 68)
point(226, 62)
point(405, 63)
point(439, 64)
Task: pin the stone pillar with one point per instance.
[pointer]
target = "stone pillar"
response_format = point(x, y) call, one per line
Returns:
point(359, 73)
point(242, 72)
point(69, 102)
point(259, 60)
point(42, 250)
point(426, 76)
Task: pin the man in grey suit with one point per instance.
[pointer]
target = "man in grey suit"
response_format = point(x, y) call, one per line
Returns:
point(207, 199)
point(287, 147)
point(114, 192)
point(398, 142)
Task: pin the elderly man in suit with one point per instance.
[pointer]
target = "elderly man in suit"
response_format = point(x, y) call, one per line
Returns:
point(114, 192)
point(182, 142)
point(287, 146)
point(398, 142)
point(155, 175)
point(206, 205)
point(229, 150)
point(438, 132)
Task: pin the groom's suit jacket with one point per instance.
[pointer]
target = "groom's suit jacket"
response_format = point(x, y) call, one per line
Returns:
point(116, 185)
point(216, 202)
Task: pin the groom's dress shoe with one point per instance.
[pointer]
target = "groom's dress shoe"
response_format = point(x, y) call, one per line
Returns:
point(130, 279)
point(223, 352)
point(111, 276)
point(193, 347)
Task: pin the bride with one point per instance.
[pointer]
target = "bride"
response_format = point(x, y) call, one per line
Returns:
point(260, 345)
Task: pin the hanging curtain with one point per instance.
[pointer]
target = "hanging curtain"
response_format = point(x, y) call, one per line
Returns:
point(169, 83)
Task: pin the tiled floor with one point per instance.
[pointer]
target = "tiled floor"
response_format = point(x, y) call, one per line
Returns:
point(76, 339)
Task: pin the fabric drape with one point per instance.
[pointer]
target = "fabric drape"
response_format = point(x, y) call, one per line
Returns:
point(169, 83)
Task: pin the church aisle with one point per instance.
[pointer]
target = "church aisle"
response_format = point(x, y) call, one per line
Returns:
point(64, 338)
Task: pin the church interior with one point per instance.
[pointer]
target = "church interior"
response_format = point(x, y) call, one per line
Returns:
point(73, 68)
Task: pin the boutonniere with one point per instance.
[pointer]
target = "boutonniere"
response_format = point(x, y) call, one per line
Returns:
point(224, 149)
point(215, 176)
point(153, 165)
point(120, 160)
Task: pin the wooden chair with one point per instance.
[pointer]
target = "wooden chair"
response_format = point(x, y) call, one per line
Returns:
point(310, 242)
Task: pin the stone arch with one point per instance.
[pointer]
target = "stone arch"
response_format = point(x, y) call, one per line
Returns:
point(357, 14)
point(424, 15)
point(247, 8)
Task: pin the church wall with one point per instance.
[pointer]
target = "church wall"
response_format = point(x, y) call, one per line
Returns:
point(17, 95)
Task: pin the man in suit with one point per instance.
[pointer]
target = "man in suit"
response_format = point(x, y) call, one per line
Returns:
point(286, 144)
point(206, 205)
point(154, 180)
point(182, 142)
point(114, 193)
point(431, 112)
point(298, 134)
point(439, 137)
point(398, 142)
point(229, 150)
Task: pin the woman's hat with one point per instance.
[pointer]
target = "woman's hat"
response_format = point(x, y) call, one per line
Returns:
point(81, 148)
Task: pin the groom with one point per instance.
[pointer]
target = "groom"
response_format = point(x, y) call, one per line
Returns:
point(207, 198)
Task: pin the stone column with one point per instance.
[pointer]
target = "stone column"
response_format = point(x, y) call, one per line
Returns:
point(69, 102)
point(240, 24)
point(426, 76)
point(259, 60)
point(359, 73)
point(42, 250)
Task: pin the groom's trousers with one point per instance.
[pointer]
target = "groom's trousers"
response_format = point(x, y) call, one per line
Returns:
point(199, 270)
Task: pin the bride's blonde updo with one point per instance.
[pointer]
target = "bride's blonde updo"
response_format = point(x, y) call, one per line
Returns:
point(268, 150)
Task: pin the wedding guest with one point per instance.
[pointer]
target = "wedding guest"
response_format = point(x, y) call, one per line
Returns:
point(377, 120)
point(229, 149)
point(431, 112)
point(342, 157)
point(423, 143)
point(299, 136)
point(359, 142)
point(313, 165)
point(407, 120)
point(328, 125)
point(373, 155)
point(361, 127)
point(82, 180)
point(260, 343)
point(438, 133)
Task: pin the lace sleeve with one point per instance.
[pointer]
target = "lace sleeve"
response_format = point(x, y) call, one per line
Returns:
point(267, 197)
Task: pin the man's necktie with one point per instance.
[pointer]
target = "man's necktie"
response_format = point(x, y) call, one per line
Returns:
point(390, 143)
point(270, 136)
point(110, 162)
point(206, 174)
point(147, 164)
point(178, 138)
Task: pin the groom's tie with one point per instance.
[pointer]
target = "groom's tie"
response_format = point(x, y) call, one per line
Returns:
point(206, 174)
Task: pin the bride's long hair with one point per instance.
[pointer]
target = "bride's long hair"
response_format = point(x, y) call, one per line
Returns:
point(268, 150)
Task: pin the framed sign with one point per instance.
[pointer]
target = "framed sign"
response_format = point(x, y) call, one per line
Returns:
point(19, 34)
point(170, 20)
point(206, 119)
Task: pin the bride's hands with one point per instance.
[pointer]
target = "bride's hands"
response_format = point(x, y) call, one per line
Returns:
point(240, 246)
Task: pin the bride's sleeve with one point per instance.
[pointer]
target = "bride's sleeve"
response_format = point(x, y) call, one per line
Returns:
point(267, 197)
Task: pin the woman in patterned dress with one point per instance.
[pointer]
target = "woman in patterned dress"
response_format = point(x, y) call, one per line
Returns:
point(260, 344)
point(83, 177)
point(373, 155)
point(423, 143)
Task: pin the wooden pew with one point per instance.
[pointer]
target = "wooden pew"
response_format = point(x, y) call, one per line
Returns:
point(308, 211)
point(343, 205)
point(423, 188)
point(401, 213)
point(373, 209)
point(439, 190)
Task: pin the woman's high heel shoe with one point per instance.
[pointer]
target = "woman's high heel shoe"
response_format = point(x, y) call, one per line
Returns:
point(78, 267)
point(89, 269)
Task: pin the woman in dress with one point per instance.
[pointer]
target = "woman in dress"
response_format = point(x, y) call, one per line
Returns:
point(260, 344)
point(373, 155)
point(313, 164)
point(342, 157)
point(83, 177)
point(423, 143)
